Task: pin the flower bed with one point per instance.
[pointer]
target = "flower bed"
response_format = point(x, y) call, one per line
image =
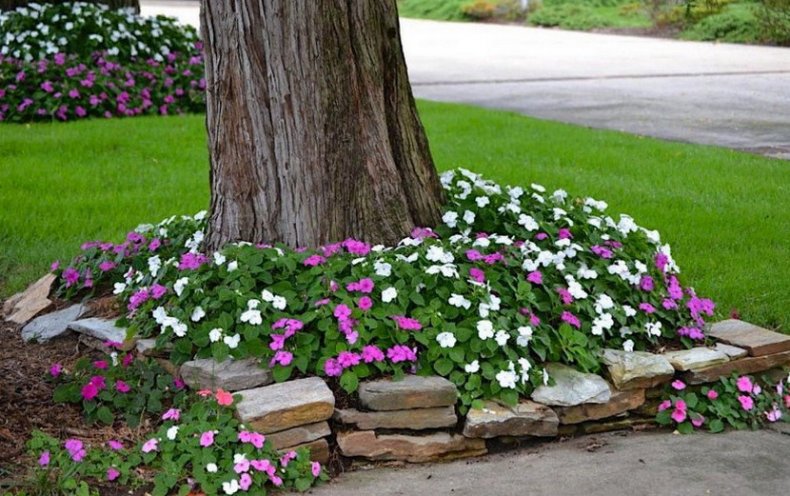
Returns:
point(71, 61)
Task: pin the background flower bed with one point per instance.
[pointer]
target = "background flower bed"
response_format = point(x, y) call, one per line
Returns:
point(70, 61)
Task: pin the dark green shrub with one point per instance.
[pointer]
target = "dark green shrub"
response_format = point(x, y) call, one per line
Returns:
point(568, 16)
point(774, 19)
point(734, 25)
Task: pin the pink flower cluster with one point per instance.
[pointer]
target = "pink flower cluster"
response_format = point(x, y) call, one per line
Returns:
point(277, 344)
point(490, 259)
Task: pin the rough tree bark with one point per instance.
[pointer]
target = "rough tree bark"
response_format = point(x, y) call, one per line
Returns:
point(313, 132)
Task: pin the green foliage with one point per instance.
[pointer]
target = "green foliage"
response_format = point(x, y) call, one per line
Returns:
point(118, 386)
point(734, 25)
point(443, 10)
point(774, 19)
point(568, 16)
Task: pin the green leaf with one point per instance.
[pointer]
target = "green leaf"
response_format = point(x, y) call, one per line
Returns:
point(443, 366)
point(685, 428)
point(105, 416)
point(349, 381)
point(282, 374)
point(716, 425)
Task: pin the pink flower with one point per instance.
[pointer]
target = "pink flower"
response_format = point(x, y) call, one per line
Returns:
point(646, 283)
point(535, 277)
point(477, 275)
point(115, 445)
point(348, 359)
point(565, 296)
point(365, 285)
point(282, 357)
point(262, 465)
point(365, 303)
point(757, 389)
point(407, 323)
point(712, 394)
point(122, 387)
point(158, 291)
point(172, 414)
point(76, 449)
point(565, 233)
point(746, 402)
point(314, 260)
point(332, 368)
point(315, 468)
point(773, 415)
point(286, 458)
point(224, 398)
point(245, 481)
point(89, 391)
point(647, 307)
point(401, 353)
point(372, 353)
point(242, 466)
point(43, 460)
point(571, 319)
point(744, 384)
point(207, 439)
point(664, 405)
point(602, 251)
point(678, 415)
point(342, 312)
point(678, 385)
point(150, 445)
point(55, 369)
point(697, 421)
point(112, 474)
point(254, 438)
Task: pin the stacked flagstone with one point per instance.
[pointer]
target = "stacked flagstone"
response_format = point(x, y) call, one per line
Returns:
point(291, 414)
point(411, 407)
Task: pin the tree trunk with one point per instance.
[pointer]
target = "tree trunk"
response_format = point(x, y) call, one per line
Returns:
point(313, 132)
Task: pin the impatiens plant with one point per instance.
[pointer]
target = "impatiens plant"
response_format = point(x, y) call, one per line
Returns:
point(117, 385)
point(201, 447)
point(738, 401)
point(511, 279)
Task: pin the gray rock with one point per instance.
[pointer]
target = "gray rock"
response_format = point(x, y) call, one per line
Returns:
point(415, 419)
point(756, 340)
point(410, 392)
point(525, 419)
point(231, 375)
point(299, 435)
point(637, 369)
point(147, 347)
point(51, 325)
point(101, 329)
point(732, 352)
point(289, 404)
point(572, 387)
point(695, 358)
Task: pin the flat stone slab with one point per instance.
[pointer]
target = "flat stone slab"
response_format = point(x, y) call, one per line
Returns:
point(319, 450)
point(732, 352)
point(51, 325)
point(147, 347)
point(103, 330)
point(617, 425)
point(415, 419)
point(572, 387)
point(299, 435)
point(414, 449)
point(23, 306)
point(278, 407)
point(622, 401)
point(525, 419)
point(756, 340)
point(231, 375)
point(746, 365)
point(637, 369)
point(695, 358)
point(410, 392)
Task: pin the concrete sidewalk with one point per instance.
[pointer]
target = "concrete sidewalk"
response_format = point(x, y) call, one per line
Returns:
point(736, 96)
point(616, 464)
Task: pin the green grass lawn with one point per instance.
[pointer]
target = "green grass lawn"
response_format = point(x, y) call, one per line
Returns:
point(724, 212)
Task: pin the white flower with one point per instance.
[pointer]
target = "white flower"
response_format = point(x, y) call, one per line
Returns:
point(446, 339)
point(459, 301)
point(502, 337)
point(219, 258)
point(560, 195)
point(626, 225)
point(192, 243)
point(603, 302)
point(473, 367)
point(179, 328)
point(485, 329)
point(481, 242)
point(506, 379)
point(538, 188)
point(524, 335)
point(267, 295)
point(279, 302)
point(516, 192)
point(629, 311)
point(469, 217)
point(197, 314)
point(447, 270)
point(159, 315)
point(252, 317)
point(528, 222)
point(450, 218)
point(232, 341)
point(231, 487)
point(179, 285)
point(171, 432)
point(628, 345)
point(239, 458)
point(200, 215)
point(212, 468)
point(586, 273)
point(118, 288)
point(545, 377)
point(653, 328)
point(154, 264)
point(382, 269)
point(389, 294)
point(601, 323)
point(215, 334)
point(233, 266)
point(482, 201)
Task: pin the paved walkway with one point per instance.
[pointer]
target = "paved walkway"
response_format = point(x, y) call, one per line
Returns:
point(656, 464)
point(736, 96)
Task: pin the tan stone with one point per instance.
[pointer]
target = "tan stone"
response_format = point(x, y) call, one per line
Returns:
point(637, 369)
point(319, 450)
point(416, 419)
point(414, 449)
point(732, 352)
point(410, 392)
point(527, 418)
point(169, 366)
point(289, 404)
point(230, 374)
point(756, 340)
point(571, 387)
point(299, 435)
point(617, 425)
point(748, 365)
point(695, 358)
point(621, 401)
point(23, 306)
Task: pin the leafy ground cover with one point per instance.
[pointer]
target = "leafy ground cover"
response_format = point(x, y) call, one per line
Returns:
point(722, 210)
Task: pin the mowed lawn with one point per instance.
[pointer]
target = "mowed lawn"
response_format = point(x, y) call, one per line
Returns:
point(725, 213)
